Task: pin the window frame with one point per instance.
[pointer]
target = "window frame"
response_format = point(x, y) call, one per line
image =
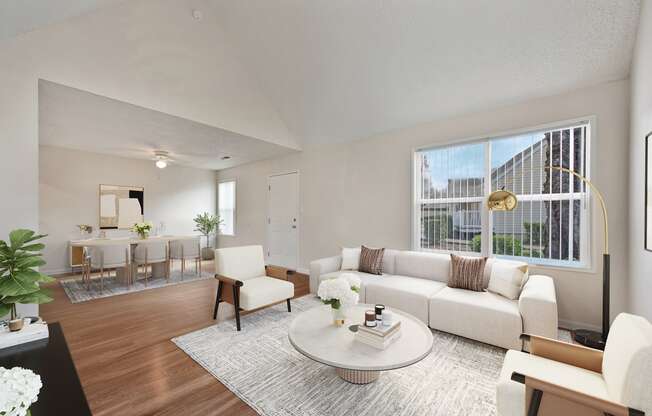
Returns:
point(235, 193)
point(586, 263)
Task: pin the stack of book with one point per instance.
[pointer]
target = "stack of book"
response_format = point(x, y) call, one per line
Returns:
point(380, 336)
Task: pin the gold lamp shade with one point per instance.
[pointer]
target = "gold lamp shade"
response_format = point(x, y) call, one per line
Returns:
point(502, 201)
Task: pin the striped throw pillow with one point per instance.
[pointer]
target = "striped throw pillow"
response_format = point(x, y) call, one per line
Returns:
point(467, 273)
point(371, 260)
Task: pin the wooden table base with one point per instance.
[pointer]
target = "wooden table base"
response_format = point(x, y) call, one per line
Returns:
point(357, 376)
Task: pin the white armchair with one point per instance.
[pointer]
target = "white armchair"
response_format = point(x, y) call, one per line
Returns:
point(244, 281)
point(558, 378)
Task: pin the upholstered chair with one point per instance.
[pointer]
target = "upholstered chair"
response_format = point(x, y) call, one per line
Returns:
point(558, 378)
point(108, 257)
point(244, 281)
point(186, 249)
point(149, 253)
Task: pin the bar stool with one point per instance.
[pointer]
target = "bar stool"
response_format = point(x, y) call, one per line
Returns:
point(110, 256)
point(150, 253)
point(186, 249)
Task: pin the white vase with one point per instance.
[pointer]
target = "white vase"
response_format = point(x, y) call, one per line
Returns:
point(338, 316)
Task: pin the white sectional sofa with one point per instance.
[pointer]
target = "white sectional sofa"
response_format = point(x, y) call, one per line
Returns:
point(415, 282)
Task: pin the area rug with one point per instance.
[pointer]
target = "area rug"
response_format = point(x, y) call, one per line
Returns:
point(260, 366)
point(77, 291)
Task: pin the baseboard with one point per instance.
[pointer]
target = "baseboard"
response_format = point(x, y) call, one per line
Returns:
point(567, 324)
point(56, 272)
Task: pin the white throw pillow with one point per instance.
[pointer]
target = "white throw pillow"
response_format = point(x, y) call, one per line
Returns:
point(507, 278)
point(350, 258)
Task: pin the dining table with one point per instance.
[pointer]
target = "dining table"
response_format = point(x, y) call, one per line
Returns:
point(133, 242)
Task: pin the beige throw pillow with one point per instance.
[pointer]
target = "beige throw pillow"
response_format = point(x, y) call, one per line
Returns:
point(507, 278)
point(350, 258)
point(467, 273)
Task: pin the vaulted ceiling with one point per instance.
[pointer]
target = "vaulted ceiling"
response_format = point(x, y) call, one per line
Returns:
point(338, 70)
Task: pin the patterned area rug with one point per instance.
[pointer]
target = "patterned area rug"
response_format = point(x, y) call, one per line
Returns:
point(77, 292)
point(260, 366)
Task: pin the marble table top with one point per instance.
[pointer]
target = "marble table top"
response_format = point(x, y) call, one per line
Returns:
point(313, 334)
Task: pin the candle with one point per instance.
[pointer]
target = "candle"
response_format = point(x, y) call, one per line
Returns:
point(387, 317)
point(379, 311)
point(370, 318)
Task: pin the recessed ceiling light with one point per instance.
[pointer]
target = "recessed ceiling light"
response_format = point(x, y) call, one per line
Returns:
point(197, 14)
point(226, 157)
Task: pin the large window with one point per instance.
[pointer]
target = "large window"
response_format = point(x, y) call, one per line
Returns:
point(550, 223)
point(226, 206)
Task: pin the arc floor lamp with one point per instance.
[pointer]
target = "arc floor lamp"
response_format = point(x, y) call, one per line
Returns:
point(503, 200)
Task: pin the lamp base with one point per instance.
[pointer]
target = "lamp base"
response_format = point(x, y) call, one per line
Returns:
point(588, 338)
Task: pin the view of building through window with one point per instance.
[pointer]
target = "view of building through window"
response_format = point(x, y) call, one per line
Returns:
point(550, 223)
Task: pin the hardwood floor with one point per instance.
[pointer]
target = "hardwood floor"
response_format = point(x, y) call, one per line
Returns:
point(126, 362)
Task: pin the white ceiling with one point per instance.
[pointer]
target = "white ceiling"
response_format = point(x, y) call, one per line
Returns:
point(20, 16)
point(79, 120)
point(340, 70)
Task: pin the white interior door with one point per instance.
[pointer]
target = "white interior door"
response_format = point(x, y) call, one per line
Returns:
point(283, 220)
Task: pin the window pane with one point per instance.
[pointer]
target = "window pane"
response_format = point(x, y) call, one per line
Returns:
point(226, 206)
point(451, 190)
point(547, 222)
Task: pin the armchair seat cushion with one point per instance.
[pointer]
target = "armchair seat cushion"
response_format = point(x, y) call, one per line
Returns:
point(408, 294)
point(483, 316)
point(510, 395)
point(263, 291)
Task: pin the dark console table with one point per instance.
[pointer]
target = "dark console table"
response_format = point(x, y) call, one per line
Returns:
point(62, 392)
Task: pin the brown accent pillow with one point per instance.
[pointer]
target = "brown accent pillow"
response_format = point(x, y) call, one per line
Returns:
point(467, 273)
point(371, 260)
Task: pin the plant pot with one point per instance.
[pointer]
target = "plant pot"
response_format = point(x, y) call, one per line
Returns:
point(16, 324)
point(338, 316)
point(207, 253)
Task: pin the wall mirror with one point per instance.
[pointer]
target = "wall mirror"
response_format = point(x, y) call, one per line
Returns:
point(121, 206)
point(648, 192)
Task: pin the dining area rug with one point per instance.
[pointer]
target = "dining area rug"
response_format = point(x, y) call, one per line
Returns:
point(260, 366)
point(77, 291)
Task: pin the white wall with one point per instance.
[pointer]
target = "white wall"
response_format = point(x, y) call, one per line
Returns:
point(69, 195)
point(360, 192)
point(640, 284)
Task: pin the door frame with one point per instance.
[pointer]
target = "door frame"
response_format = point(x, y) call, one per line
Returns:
point(267, 212)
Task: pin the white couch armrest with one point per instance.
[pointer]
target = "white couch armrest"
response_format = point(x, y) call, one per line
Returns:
point(538, 307)
point(323, 266)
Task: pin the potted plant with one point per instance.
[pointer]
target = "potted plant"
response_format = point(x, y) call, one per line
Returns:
point(340, 293)
point(207, 224)
point(142, 229)
point(19, 282)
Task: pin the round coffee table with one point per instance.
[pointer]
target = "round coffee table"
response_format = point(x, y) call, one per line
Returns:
point(313, 334)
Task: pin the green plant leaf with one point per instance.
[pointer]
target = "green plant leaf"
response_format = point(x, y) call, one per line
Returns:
point(4, 309)
point(33, 247)
point(19, 237)
point(29, 262)
point(38, 297)
point(12, 287)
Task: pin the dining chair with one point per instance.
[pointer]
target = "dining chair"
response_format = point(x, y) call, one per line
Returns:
point(103, 257)
point(148, 253)
point(186, 249)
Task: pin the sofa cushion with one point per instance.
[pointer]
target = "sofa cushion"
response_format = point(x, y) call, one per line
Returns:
point(263, 291)
point(467, 273)
point(240, 263)
point(408, 294)
point(507, 278)
point(365, 279)
point(510, 395)
point(350, 258)
point(389, 261)
point(371, 260)
point(483, 316)
point(432, 266)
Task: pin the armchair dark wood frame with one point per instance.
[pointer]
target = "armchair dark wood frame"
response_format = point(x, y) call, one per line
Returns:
point(228, 290)
point(571, 354)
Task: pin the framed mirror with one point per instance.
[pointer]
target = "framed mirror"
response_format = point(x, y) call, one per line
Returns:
point(648, 192)
point(121, 206)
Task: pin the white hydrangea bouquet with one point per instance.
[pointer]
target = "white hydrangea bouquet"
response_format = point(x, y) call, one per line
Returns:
point(143, 228)
point(340, 293)
point(19, 388)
